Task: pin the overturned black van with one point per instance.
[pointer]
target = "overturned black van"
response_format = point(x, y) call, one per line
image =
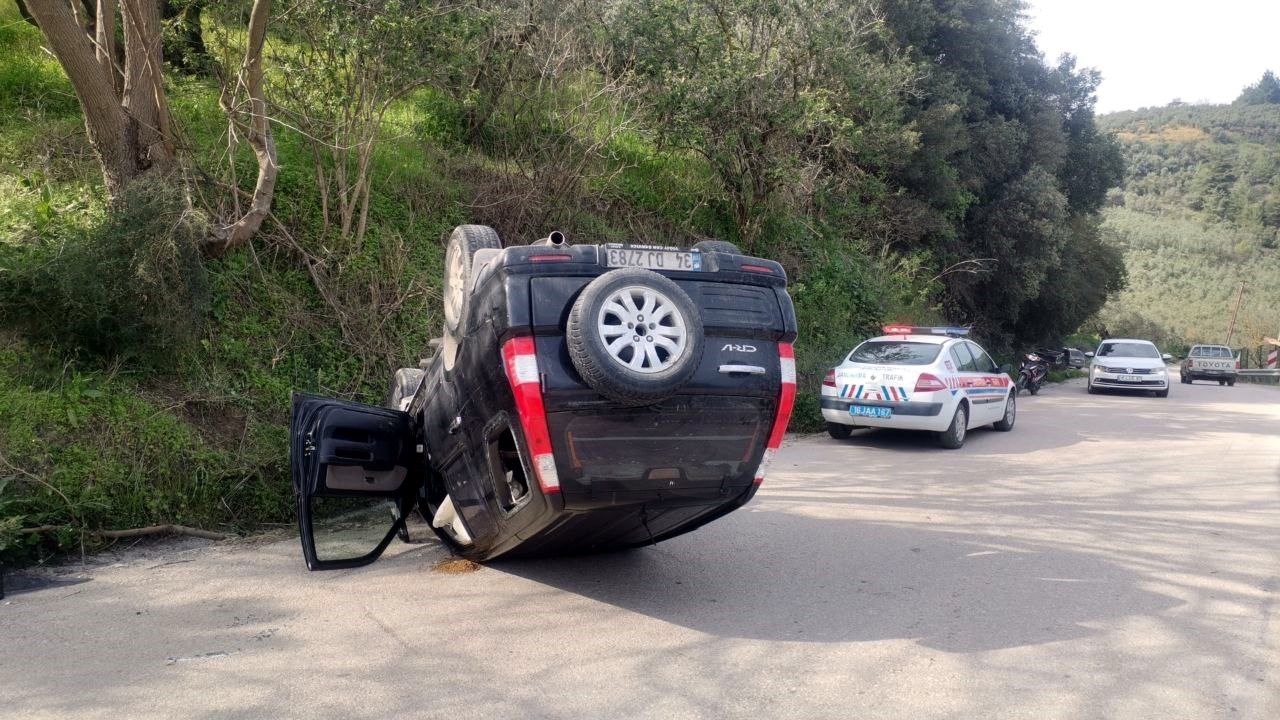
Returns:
point(583, 397)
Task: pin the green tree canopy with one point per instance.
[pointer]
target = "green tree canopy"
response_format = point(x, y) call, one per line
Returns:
point(1264, 92)
point(1011, 170)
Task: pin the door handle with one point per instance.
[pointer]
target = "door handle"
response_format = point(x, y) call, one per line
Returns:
point(744, 369)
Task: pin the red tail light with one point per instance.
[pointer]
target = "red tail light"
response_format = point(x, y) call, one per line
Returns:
point(1237, 364)
point(786, 401)
point(521, 362)
point(830, 379)
point(929, 383)
point(756, 269)
point(1191, 363)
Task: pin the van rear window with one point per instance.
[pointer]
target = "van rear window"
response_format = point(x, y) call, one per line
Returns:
point(895, 352)
point(1215, 352)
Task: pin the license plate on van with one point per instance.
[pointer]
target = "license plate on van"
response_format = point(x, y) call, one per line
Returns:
point(651, 258)
point(870, 411)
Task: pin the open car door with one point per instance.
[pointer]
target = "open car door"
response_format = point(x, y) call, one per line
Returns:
point(356, 470)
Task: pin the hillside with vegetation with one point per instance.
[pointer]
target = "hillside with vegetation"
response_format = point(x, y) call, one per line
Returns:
point(266, 213)
point(1197, 215)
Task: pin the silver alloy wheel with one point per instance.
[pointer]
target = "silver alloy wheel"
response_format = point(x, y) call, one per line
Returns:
point(1010, 411)
point(962, 426)
point(457, 270)
point(642, 329)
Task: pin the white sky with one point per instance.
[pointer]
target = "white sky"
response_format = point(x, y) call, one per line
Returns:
point(1152, 51)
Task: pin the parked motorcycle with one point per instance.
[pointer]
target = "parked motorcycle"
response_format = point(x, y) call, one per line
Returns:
point(1033, 373)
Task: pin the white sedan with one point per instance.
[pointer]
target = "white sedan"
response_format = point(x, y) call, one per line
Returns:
point(918, 378)
point(1124, 364)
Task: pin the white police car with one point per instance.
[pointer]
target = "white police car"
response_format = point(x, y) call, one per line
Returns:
point(918, 378)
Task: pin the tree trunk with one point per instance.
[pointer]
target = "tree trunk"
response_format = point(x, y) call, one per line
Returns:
point(24, 12)
point(256, 130)
point(145, 101)
point(105, 42)
point(129, 127)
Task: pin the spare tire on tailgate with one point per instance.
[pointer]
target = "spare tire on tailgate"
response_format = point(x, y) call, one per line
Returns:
point(634, 336)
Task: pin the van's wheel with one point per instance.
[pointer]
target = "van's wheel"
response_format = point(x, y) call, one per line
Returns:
point(720, 246)
point(404, 385)
point(634, 336)
point(953, 437)
point(1231, 383)
point(839, 431)
point(464, 241)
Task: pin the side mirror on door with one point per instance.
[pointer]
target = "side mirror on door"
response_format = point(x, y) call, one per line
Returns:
point(1167, 357)
point(1007, 369)
point(1089, 354)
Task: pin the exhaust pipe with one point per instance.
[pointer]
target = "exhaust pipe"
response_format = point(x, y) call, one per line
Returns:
point(555, 239)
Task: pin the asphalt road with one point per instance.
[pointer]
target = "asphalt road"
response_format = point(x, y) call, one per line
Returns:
point(1112, 557)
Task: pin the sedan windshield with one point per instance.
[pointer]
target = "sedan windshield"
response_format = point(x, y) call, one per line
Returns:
point(893, 352)
point(1128, 349)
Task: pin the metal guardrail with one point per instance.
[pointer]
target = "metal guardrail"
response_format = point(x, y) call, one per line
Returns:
point(1266, 377)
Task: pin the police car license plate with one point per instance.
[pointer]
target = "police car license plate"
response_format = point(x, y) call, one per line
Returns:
point(870, 411)
point(652, 258)
point(1129, 378)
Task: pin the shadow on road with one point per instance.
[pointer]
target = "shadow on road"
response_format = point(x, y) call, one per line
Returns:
point(817, 580)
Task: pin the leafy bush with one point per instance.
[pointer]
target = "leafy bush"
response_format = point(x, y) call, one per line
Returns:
point(132, 286)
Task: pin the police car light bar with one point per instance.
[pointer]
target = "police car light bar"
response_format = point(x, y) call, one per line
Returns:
point(913, 330)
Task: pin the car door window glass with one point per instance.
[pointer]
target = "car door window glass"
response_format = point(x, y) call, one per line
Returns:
point(963, 358)
point(981, 360)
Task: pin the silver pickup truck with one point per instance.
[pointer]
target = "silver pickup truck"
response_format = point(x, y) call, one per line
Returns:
point(1210, 362)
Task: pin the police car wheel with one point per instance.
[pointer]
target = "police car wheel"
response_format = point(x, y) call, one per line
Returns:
point(1005, 424)
point(953, 437)
point(634, 336)
point(839, 431)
